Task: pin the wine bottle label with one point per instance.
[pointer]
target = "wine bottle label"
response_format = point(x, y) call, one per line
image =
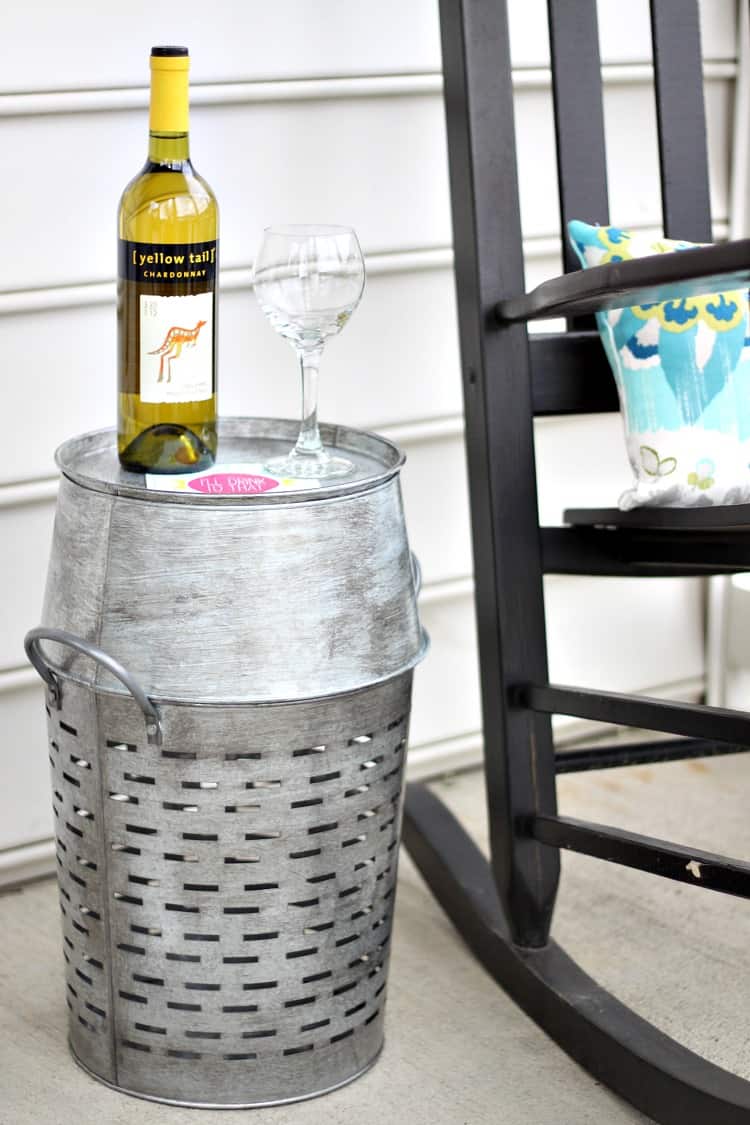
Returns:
point(177, 347)
point(168, 263)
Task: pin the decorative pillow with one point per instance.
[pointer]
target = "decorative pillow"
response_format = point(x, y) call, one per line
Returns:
point(682, 369)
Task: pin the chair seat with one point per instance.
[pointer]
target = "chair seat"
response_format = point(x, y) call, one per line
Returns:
point(706, 518)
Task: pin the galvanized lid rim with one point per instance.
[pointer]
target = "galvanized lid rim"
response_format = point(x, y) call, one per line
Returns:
point(365, 442)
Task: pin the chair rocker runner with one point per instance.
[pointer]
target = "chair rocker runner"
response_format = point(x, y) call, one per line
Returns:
point(504, 909)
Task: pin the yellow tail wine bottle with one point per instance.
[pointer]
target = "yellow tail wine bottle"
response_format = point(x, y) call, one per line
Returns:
point(166, 295)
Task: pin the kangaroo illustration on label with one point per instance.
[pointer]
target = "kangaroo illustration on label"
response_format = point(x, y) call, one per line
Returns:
point(174, 341)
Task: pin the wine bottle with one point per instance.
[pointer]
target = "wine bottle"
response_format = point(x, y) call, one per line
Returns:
point(166, 299)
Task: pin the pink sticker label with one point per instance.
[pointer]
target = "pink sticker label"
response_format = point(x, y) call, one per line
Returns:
point(233, 484)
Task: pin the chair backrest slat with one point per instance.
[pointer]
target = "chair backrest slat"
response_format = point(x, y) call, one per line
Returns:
point(681, 119)
point(570, 374)
point(579, 115)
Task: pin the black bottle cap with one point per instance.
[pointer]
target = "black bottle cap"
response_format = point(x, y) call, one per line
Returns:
point(162, 52)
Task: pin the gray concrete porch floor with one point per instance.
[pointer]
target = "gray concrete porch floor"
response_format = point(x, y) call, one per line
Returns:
point(458, 1052)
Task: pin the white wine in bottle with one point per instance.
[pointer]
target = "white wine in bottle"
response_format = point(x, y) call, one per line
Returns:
point(166, 295)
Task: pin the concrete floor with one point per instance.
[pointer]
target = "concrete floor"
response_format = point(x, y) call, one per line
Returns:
point(457, 1050)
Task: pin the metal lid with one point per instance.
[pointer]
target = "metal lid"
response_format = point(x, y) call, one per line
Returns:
point(91, 461)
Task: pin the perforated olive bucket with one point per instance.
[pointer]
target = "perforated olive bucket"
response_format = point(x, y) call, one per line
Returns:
point(227, 868)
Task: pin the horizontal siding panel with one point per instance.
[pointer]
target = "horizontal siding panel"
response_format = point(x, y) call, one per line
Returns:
point(446, 685)
point(580, 462)
point(384, 172)
point(296, 90)
point(291, 39)
point(624, 30)
point(397, 360)
point(25, 802)
point(632, 156)
point(65, 359)
point(436, 504)
point(624, 635)
point(26, 534)
point(228, 42)
point(27, 861)
point(738, 646)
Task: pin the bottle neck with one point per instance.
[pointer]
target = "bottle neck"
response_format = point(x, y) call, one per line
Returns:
point(169, 113)
point(168, 148)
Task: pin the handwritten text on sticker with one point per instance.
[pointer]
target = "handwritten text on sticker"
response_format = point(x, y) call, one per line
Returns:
point(233, 484)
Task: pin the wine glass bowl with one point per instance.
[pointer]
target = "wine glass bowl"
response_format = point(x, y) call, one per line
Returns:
point(308, 282)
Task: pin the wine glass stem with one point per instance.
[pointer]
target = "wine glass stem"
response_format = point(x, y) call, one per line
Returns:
point(309, 435)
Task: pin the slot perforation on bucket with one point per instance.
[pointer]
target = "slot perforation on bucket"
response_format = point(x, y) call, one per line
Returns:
point(285, 908)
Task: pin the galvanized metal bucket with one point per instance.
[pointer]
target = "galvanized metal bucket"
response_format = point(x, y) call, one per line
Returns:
point(229, 686)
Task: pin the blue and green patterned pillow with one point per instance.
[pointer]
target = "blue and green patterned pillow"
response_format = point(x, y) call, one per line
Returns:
point(682, 369)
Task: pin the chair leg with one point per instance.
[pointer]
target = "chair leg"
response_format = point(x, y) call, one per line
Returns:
point(653, 1072)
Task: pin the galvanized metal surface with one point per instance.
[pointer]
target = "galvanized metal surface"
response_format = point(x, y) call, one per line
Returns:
point(91, 461)
point(228, 839)
point(214, 599)
point(222, 1105)
point(35, 654)
point(227, 897)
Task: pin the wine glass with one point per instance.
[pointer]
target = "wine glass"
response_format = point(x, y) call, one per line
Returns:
point(308, 281)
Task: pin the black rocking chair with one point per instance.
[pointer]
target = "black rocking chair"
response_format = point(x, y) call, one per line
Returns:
point(504, 909)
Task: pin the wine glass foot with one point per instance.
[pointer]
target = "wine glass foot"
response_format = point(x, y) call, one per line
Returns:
point(310, 466)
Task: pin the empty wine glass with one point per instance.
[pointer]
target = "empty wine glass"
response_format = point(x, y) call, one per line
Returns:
point(308, 281)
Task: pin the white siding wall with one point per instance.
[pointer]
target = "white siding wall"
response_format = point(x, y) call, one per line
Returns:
point(333, 113)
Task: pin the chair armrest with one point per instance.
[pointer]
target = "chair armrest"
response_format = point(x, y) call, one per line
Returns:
point(638, 281)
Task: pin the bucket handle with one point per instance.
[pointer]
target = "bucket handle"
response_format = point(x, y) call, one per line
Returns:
point(416, 571)
point(54, 690)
